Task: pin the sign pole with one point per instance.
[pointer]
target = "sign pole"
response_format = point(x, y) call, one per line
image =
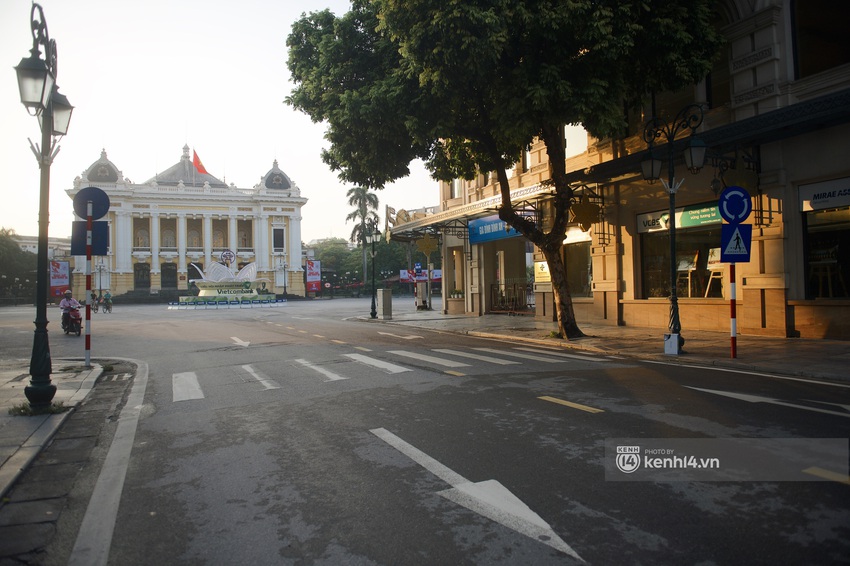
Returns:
point(734, 337)
point(88, 282)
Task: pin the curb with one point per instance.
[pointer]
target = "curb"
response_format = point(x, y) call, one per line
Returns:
point(23, 457)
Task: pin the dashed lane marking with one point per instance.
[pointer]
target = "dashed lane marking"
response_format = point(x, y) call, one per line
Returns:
point(570, 404)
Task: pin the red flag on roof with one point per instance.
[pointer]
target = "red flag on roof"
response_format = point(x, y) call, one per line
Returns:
point(197, 163)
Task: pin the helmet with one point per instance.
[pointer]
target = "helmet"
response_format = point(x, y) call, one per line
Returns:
point(68, 292)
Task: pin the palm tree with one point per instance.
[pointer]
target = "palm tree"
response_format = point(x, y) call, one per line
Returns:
point(365, 204)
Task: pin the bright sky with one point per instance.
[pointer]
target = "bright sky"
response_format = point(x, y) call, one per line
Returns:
point(145, 78)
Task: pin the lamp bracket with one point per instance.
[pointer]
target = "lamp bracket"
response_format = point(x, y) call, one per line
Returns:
point(44, 159)
point(674, 188)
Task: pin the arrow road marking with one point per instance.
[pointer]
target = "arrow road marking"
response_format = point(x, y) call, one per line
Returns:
point(488, 498)
point(409, 337)
point(239, 342)
point(267, 383)
point(757, 399)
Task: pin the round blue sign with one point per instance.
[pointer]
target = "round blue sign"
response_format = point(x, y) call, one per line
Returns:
point(99, 202)
point(735, 204)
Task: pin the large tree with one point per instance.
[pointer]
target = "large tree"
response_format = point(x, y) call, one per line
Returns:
point(491, 76)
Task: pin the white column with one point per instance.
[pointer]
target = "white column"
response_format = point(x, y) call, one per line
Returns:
point(207, 241)
point(262, 243)
point(155, 243)
point(294, 259)
point(124, 241)
point(181, 243)
point(233, 241)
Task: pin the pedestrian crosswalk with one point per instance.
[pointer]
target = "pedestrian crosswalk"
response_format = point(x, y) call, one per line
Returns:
point(189, 386)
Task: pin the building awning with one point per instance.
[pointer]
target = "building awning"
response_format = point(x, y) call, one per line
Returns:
point(457, 219)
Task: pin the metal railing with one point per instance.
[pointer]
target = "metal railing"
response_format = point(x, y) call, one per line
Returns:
point(512, 296)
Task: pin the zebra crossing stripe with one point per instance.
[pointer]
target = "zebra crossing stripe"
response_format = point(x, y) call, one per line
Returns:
point(386, 366)
point(430, 359)
point(518, 355)
point(331, 376)
point(185, 386)
point(582, 357)
point(267, 383)
point(492, 360)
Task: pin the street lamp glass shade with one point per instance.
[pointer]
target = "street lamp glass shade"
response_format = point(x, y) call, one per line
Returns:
point(62, 110)
point(651, 169)
point(35, 82)
point(695, 155)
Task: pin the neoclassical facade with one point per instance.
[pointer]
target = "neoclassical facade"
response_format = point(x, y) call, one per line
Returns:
point(163, 231)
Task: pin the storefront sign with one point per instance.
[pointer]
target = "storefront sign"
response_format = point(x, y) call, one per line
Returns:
point(686, 217)
point(489, 229)
point(828, 194)
point(407, 276)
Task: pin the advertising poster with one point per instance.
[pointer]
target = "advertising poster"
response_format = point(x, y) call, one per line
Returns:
point(60, 277)
point(314, 275)
point(421, 276)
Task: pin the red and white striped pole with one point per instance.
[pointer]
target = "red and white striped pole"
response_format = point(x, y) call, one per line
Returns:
point(734, 319)
point(88, 282)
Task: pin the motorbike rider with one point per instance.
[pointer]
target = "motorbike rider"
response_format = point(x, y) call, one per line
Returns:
point(67, 304)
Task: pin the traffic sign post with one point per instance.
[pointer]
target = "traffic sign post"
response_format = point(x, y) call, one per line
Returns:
point(735, 206)
point(90, 203)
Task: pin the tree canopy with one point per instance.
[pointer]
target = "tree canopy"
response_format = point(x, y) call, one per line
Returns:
point(468, 85)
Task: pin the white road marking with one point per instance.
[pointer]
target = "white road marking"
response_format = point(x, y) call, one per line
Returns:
point(239, 342)
point(488, 498)
point(518, 355)
point(492, 360)
point(386, 366)
point(267, 383)
point(408, 337)
point(185, 386)
point(331, 376)
point(429, 359)
point(582, 357)
point(95, 535)
point(758, 399)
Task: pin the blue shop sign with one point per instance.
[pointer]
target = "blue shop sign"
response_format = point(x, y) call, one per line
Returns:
point(489, 229)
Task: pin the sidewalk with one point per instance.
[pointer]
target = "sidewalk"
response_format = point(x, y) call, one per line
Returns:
point(22, 438)
point(813, 358)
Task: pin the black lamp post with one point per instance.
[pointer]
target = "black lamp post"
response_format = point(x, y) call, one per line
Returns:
point(41, 97)
point(690, 118)
point(372, 236)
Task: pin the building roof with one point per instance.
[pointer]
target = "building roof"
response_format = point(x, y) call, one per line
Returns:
point(276, 179)
point(185, 171)
point(103, 170)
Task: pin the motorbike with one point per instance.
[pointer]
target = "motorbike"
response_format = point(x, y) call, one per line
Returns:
point(73, 322)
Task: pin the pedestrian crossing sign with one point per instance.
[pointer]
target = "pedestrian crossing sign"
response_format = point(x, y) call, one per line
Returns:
point(735, 243)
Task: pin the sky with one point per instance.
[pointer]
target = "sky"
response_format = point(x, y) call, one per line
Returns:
point(146, 78)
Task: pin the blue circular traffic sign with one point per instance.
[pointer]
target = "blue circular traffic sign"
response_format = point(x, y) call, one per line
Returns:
point(735, 204)
point(99, 202)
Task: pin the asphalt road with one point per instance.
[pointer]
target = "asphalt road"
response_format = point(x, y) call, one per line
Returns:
point(299, 435)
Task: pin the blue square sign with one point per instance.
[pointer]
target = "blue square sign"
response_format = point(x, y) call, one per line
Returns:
point(735, 243)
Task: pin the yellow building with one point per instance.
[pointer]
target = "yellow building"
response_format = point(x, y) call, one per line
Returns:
point(163, 231)
point(776, 120)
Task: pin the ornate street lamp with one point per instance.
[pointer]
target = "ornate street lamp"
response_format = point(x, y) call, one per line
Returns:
point(689, 118)
point(41, 97)
point(372, 236)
